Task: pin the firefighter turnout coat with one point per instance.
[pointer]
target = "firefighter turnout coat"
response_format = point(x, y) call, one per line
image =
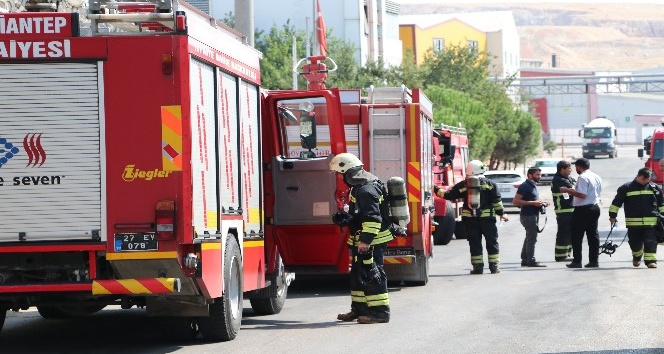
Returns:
point(564, 209)
point(370, 223)
point(482, 222)
point(490, 202)
point(641, 204)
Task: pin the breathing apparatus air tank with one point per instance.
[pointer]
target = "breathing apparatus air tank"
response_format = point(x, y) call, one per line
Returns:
point(398, 201)
point(473, 194)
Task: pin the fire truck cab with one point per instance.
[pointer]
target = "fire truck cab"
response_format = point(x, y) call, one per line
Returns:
point(451, 156)
point(653, 146)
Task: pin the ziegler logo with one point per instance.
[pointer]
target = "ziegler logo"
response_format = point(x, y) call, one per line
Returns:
point(34, 149)
point(131, 173)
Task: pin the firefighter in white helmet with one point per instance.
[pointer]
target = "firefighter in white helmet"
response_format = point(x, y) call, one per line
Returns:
point(481, 204)
point(369, 234)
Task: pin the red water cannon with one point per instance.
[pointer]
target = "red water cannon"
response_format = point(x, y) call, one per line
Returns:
point(315, 70)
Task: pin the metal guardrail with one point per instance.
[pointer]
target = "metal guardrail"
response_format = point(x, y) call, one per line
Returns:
point(552, 85)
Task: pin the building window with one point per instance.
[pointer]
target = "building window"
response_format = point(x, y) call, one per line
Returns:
point(472, 45)
point(438, 45)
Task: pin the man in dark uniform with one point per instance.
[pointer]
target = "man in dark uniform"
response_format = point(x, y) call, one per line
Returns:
point(369, 234)
point(479, 217)
point(562, 204)
point(643, 201)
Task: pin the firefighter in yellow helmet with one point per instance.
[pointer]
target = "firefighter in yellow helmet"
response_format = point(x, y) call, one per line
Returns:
point(369, 234)
point(481, 204)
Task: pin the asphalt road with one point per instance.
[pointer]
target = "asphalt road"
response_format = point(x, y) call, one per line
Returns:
point(613, 309)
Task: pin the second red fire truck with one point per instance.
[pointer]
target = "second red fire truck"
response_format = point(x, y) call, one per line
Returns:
point(451, 153)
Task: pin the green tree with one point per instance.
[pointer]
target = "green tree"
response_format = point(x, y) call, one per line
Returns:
point(456, 108)
point(512, 131)
point(550, 147)
point(277, 63)
point(457, 68)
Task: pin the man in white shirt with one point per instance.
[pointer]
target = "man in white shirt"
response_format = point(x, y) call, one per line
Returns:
point(586, 213)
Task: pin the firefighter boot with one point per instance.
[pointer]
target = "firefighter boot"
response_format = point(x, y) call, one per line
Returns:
point(372, 320)
point(477, 268)
point(651, 265)
point(493, 267)
point(347, 317)
point(636, 261)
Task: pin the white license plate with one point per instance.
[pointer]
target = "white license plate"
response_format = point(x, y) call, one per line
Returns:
point(504, 190)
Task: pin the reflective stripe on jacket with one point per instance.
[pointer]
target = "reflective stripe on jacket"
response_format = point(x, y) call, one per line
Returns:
point(560, 204)
point(490, 202)
point(371, 219)
point(641, 204)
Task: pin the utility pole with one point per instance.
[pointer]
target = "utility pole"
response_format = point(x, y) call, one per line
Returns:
point(244, 19)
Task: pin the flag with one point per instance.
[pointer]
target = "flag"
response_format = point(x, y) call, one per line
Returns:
point(320, 30)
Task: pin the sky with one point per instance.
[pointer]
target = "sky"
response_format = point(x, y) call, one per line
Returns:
point(531, 1)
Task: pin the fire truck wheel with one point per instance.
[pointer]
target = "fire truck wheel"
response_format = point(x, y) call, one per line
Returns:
point(445, 229)
point(223, 324)
point(273, 305)
point(459, 230)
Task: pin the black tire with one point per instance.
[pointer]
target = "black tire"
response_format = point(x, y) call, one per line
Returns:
point(586, 156)
point(459, 230)
point(52, 312)
point(273, 305)
point(225, 318)
point(445, 229)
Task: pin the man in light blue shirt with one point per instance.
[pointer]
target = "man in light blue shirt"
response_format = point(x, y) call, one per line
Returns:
point(586, 213)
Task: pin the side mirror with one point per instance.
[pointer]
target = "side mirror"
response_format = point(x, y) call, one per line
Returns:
point(308, 131)
point(286, 114)
point(639, 153)
point(581, 136)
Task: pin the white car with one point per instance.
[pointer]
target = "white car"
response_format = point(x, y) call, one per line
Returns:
point(508, 182)
point(548, 167)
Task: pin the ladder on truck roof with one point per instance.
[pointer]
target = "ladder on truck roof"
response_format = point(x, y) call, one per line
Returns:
point(141, 16)
point(389, 95)
point(453, 129)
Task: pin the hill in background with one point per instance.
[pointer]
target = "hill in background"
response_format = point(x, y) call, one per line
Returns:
point(608, 37)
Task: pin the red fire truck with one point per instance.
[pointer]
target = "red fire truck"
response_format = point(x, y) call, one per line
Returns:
point(387, 131)
point(136, 168)
point(653, 146)
point(451, 154)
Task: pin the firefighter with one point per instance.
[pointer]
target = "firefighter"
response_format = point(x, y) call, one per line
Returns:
point(369, 234)
point(479, 216)
point(643, 202)
point(562, 204)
